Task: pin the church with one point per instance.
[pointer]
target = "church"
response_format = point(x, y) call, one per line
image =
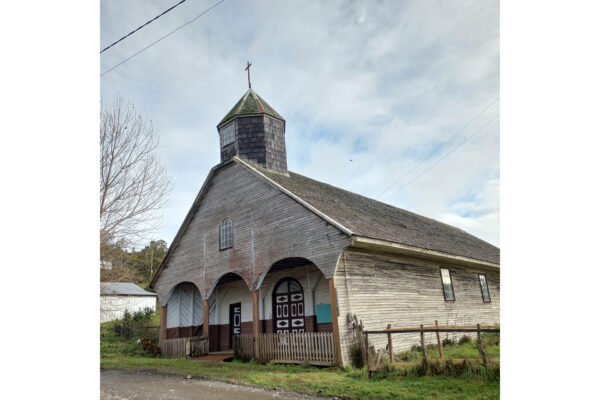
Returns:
point(264, 250)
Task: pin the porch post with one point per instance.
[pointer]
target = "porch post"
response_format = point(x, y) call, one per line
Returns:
point(206, 322)
point(255, 322)
point(334, 322)
point(162, 330)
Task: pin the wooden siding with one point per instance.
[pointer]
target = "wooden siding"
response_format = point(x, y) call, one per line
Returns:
point(113, 306)
point(407, 292)
point(282, 228)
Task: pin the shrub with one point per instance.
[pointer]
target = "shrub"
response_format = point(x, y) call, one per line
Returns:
point(124, 326)
point(465, 339)
point(448, 342)
point(358, 361)
point(150, 347)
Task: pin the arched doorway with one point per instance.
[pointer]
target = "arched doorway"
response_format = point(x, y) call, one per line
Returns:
point(288, 306)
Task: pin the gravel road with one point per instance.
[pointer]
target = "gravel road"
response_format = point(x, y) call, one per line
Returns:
point(140, 386)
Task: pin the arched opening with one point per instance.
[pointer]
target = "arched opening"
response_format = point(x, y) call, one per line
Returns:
point(230, 311)
point(185, 311)
point(288, 306)
point(306, 300)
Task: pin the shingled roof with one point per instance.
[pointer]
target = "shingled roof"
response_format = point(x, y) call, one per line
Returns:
point(374, 219)
point(250, 103)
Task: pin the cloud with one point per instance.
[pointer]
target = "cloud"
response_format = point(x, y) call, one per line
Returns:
point(382, 83)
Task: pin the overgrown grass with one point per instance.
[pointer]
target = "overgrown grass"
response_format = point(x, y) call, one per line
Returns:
point(118, 353)
point(114, 346)
point(465, 350)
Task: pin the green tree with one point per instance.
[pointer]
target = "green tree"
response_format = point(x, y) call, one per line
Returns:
point(146, 261)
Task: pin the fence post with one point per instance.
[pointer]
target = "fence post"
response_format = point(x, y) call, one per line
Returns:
point(367, 347)
point(480, 344)
point(437, 333)
point(390, 344)
point(423, 344)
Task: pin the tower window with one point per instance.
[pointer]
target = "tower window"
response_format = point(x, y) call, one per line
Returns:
point(485, 292)
point(228, 134)
point(447, 284)
point(226, 234)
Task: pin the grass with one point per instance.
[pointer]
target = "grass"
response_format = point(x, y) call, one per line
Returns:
point(127, 355)
point(466, 350)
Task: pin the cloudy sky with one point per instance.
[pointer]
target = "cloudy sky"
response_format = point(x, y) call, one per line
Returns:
point(384, 84)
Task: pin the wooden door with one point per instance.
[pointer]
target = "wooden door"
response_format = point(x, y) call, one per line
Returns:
point(235, 321)
point(288, 306)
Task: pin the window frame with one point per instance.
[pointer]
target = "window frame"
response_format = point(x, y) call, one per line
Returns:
point(221, 247)
point(451, 284)
point(222, 134)
point(487, 287)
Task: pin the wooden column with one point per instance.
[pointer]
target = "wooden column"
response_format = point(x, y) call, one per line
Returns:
point(162, 330)
point(206, 322)
point(255, 323)
point(334, 323)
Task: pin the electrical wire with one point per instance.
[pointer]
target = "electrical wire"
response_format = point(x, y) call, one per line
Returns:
point(442, 145)
point(137, 29)
point(167, 35)
point(444, 156)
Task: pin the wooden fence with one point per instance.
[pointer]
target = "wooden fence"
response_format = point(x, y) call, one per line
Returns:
point(422, 330)
point(243, 347)
point(194, 346)
point(316, 348)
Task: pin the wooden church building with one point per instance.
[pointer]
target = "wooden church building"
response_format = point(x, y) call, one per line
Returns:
point(265, 250)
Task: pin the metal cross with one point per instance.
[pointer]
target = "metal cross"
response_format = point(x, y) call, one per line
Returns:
point(248, 69)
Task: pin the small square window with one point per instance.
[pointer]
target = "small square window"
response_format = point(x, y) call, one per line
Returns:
point(485, 292)
point(228, 134)
point(447, 284)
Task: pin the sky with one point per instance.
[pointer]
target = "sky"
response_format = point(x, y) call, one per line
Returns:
point(397, 101)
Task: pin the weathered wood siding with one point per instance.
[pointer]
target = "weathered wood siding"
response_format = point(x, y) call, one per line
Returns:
point(113, 307)
point(282, 228)
point(407, 292)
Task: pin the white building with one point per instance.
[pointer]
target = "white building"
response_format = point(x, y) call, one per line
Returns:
point(116, 297)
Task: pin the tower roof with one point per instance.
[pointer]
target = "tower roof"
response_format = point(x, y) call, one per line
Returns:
point(250, 103)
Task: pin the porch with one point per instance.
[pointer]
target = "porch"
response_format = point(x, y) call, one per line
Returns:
point(288, 317)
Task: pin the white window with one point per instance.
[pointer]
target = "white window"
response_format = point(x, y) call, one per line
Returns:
point(447, 284)
point(228, 134)
point(485, 292)
point(226, 234)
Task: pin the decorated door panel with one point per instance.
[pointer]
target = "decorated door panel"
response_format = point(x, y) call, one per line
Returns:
point(288, 306)
point(235, 321)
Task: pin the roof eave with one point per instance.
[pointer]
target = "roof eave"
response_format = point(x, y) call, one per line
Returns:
point(398, 248)
point(295, 197)
point(226, 121)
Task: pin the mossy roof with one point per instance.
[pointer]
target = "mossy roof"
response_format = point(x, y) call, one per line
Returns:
point(250, 103)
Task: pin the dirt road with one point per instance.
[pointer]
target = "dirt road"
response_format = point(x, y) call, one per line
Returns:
point(122, 385)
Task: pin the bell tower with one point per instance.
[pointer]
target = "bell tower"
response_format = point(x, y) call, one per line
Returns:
point(254, 131)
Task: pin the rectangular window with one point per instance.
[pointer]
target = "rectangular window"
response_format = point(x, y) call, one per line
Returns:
point(484, 288)
point(228, 134)
point(447, 284)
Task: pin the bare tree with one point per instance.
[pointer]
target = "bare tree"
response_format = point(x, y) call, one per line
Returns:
point(133, 182)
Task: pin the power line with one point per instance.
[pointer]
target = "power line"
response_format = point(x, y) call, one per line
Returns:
point(167, 35)
point(442, 145)
point(137, 29)
point(445, 155)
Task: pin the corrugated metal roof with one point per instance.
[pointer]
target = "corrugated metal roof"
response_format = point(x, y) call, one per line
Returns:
point(123, 289)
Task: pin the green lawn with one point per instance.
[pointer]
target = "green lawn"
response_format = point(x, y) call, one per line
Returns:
point(466, 350)
point(116, 353)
